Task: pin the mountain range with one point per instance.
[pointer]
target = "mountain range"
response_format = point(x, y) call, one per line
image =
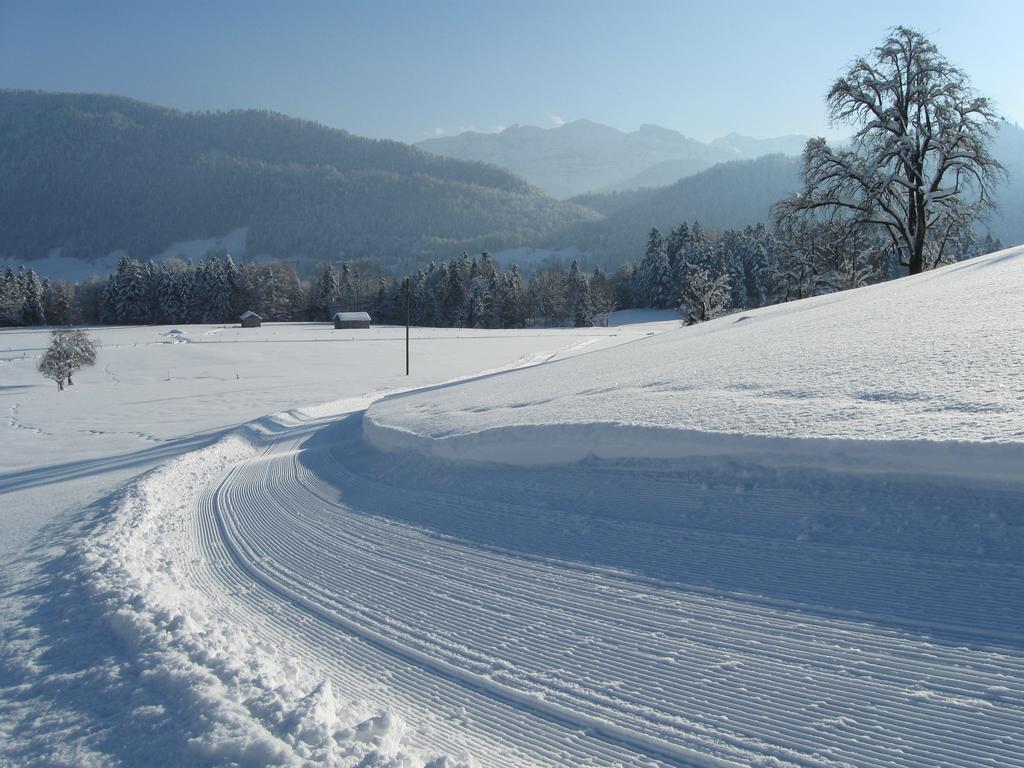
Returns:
point(89, 177)
point(586, 157)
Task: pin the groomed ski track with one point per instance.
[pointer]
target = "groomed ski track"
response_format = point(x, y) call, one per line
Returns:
point(526, 619)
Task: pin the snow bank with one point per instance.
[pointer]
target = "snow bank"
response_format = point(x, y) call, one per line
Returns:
point(250, 706)
point(544, 444)
point(918, 375)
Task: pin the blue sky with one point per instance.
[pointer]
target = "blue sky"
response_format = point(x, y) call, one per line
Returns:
point(410, 70)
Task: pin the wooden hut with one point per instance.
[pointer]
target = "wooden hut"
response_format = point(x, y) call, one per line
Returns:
point(251, 320)
point(351, 320)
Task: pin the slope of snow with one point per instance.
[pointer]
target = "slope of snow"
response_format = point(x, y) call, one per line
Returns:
point(921, 361)
point(292, 593)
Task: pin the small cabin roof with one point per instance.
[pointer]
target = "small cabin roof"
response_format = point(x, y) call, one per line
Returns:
point(348, 317)
point(249, 313)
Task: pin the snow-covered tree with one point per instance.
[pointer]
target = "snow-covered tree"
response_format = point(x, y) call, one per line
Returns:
point(602, 291)
point(32, 312)
point(457, 295)
point(546, 296)
point(918, 164)
point(513, 299)
point(69, 350)
point(676, 245)
point(802, 248)
point(11, 298)
point(219, 289)
point(347, 295)
point(477, 303)
point(59, 302)
point(704, 296)
point(580, 302)
point(654, 273)
point(624, 282)
point(108, 300)
point(325, 290)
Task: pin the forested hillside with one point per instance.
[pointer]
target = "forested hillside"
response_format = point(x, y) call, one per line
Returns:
point(729, 195)
point(92, 174)
point(733, 195)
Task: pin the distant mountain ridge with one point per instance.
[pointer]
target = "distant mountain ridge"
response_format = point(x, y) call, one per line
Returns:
point(726, 196)
point(90, 174)
point(585, 157)
point(732, 195)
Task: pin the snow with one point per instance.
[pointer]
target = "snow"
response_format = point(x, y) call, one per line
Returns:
point(914, 362)
point(105, 655)
point(713, 549)
point(644, 317)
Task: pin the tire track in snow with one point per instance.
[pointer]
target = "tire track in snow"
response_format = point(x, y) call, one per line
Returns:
point(346, 658)
point(314, 551)
point(247, 559)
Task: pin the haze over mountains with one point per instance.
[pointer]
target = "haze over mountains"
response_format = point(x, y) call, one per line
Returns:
point(91, 174)
point(725, 196)
point(584, 156)
point(90, 177)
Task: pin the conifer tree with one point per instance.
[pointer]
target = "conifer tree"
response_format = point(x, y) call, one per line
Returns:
point(32, 312)
point(11, 299)
point(325, 291)
point(581, 304)
point(651, 269)
point(346, 289)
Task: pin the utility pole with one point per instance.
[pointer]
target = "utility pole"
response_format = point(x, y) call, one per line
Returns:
point(408, 317)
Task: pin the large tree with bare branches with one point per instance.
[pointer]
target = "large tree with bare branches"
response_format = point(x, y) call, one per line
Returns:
point(918, 164)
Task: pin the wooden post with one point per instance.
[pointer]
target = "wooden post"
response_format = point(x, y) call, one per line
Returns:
point(408, 317)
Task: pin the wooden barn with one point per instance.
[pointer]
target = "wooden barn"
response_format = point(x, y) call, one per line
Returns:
point(251, 320)
point(351, 320)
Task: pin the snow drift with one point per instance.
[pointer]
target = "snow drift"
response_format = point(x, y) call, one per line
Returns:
point(919, 375)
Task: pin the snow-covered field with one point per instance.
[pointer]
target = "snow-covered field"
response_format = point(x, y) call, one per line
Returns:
point(789, 537)
point(157, 395)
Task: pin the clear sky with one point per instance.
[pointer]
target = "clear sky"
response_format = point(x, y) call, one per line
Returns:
point(411, 70)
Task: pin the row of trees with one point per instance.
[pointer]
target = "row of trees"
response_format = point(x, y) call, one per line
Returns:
point(706, 274)
point(471, 293)
point(903, 197)
point(27, 299)
point(462, 292)
point(702, 272)
point(216, 290)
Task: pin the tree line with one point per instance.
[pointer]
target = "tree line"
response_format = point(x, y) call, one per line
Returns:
point(704, 273)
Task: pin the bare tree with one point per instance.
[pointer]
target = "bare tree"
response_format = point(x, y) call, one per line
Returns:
point(918, 164)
